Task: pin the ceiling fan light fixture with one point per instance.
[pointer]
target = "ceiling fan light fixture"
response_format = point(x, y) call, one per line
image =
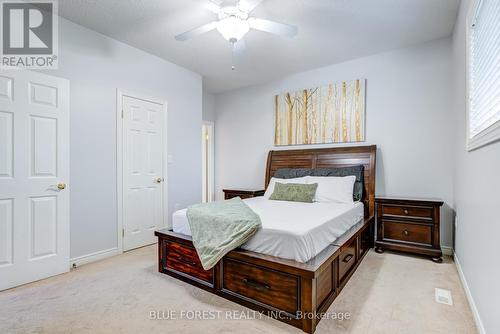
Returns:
point(233, 28)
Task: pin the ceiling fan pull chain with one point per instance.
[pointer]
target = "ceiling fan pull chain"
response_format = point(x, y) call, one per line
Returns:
point(232, 55)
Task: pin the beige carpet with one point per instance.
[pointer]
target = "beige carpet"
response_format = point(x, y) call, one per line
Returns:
point(389, 293)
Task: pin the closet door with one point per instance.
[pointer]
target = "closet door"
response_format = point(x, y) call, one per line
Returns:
point(143, 179)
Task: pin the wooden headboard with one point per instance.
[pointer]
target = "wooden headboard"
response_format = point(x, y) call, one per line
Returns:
point(330, 157)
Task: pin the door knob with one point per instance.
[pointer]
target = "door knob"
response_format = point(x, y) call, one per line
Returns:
point(61, 186)
point(159, 180)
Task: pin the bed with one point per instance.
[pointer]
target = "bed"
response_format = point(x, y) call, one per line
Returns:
point(294, 272)
point(283, 233)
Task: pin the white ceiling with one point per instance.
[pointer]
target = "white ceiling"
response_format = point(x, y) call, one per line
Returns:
point(330, 31)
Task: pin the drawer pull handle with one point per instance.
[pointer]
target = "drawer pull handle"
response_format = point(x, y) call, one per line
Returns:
point(405, 232)
point(256, 285)
point(188, 262)
point(406, 211)
point(347, 258)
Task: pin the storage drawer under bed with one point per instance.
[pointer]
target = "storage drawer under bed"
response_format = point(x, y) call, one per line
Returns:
point(264, 285)
point(184, 259)
point(347, 259)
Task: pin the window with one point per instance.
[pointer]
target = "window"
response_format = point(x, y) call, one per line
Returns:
point(483, 39)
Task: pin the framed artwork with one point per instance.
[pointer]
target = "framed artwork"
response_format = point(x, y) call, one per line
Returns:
point(333, 113)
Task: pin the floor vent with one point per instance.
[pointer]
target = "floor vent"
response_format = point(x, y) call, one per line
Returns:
point(443, 296)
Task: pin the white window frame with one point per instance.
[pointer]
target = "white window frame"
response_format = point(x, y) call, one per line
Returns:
point(492, 133)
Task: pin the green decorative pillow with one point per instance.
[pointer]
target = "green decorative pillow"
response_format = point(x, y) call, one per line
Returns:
point(294, 192)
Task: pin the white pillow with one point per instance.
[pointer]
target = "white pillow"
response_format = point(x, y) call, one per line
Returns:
point(272, 182)
point(333, 188)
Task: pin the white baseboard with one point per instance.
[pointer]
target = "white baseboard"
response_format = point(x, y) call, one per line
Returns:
point(475, 313)
point(92, 257)
point(447, 250)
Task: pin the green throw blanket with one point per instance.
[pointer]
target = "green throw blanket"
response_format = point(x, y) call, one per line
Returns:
point(219, 227)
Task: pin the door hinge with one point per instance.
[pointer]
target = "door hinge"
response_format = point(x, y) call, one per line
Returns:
point(122, 113)
point(123, 232)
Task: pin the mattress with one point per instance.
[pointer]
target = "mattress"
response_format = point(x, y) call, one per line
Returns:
point(292, 230)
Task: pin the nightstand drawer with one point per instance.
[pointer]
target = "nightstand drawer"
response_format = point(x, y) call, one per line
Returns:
point(421, 212)
point(407, 232)
point(233, 195)
point(242, 193)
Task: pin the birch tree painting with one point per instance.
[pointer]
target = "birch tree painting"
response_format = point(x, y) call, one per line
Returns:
point(333, 113)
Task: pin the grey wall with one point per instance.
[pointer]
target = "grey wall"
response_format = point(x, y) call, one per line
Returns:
point(208, 106)
point(408, 117)
point(477, 182)
point(96, 66)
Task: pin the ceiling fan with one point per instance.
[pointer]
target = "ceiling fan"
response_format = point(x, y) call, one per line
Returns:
point(234, 21)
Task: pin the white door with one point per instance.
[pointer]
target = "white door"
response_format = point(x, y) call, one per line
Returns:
point(34, 160)
point(143, 149)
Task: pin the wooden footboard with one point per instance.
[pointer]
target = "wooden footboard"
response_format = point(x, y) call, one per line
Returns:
point(289, 291)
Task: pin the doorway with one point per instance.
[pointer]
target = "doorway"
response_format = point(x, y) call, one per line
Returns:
point(34, 177)
point(207, 143)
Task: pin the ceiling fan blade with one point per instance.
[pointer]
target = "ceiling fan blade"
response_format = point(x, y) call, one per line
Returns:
point(196, 31)
point(273, 27)
point(239, 46)
point(248, 5)
point(213, 7)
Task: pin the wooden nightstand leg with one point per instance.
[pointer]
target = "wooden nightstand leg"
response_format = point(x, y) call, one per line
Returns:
point(438, 259)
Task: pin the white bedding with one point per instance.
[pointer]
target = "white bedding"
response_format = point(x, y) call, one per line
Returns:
point(292, 230)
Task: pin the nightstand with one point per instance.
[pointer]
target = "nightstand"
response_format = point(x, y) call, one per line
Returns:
point(408, 225)
point(242, 193)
